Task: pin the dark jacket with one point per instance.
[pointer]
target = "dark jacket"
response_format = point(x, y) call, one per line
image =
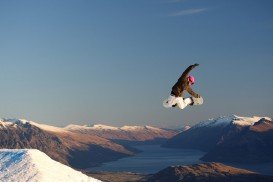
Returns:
point(183, 84)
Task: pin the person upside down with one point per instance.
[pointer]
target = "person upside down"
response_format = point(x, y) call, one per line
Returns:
point(176, 98)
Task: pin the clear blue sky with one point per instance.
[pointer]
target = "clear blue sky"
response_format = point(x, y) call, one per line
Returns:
point(113, 62)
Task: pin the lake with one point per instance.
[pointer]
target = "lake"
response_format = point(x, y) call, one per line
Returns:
point(152, 159)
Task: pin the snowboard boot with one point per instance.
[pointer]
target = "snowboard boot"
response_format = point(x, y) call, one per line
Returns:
point(197, 101)
point(192, 101)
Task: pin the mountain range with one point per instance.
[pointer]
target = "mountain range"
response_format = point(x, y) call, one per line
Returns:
point(126, 135)
point(225, 139)
point(229, 139)
point(77, 146)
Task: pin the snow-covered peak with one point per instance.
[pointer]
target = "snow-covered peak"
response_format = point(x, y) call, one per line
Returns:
point(99, 127)
point(48, 127)
point(22, 165)
point(187, 127)
point(153, 128)
point(5, 122)
point(130, 128)
point(248, 121)
point(104, 127)
point(137, 128)
point(87, 127)
point(9, 121)
point(233, 119)
point(14, 122)
point(223, 120)
point(76, 127)
point(73, 127)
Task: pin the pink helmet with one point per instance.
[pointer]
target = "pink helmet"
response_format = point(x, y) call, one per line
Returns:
point(191, 80)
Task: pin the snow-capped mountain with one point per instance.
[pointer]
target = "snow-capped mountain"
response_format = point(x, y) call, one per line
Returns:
point(106, 127)
point(206, 134)
point(245, 144)
point(129, 133)
point(227, 120)
point(232, 138)
point(33, 165)
point(77, 146)
point(20, 134)
point(75, 149)
point(6, 122)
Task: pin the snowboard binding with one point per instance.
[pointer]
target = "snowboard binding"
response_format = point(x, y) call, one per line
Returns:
point(197, 101)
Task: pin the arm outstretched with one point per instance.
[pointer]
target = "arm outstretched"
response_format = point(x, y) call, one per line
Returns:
point(187, 71)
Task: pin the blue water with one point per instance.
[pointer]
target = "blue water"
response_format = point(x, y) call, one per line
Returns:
point(152, 159)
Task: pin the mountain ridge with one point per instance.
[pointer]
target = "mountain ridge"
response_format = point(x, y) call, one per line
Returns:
point(229, 139)
point(73, 147)
point(63, 146)
point(207, 172)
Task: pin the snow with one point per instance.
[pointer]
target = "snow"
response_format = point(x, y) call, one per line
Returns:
point(104, 127)
point(186, 128)
point(73, 127)
point(131, 128)
point(20, 165)
point(10, 122)
point(138, 128)
point(14, 122)
point(124, 128)
point(4, 123)
point(153, 128)
point(247, 121)
point(76, 127)
point(48, 127)
point(94, 127)
point(221, 121)
point(233, 119)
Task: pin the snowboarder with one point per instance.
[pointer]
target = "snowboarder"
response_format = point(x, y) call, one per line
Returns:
point(176, 98)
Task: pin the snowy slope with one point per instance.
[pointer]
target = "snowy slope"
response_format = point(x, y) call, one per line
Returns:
point(20, 165)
